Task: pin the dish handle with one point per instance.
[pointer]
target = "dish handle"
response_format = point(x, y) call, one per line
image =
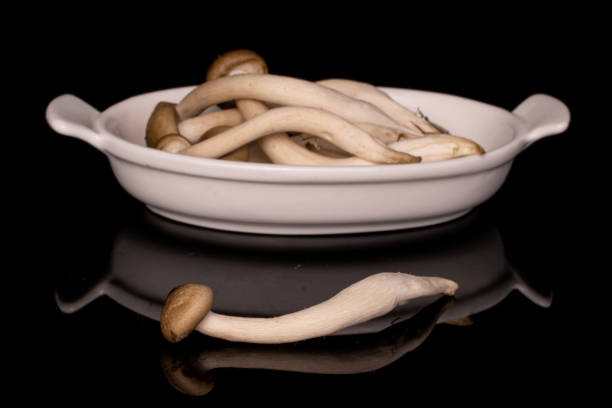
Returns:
point(71, 116)
point(545, 116)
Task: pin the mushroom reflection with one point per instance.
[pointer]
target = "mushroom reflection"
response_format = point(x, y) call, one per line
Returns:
point(189, 366)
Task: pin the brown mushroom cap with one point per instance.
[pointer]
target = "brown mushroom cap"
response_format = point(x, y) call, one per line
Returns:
point(190, 382)
point(163, 121)
point(184, 309)
point(232, 60)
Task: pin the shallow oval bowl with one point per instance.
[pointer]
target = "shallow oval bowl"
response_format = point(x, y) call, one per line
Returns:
point(282, 199)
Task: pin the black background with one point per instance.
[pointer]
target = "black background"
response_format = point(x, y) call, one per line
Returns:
point(74, 206)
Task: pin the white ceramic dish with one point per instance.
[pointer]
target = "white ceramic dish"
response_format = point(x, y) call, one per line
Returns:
point(277, 199)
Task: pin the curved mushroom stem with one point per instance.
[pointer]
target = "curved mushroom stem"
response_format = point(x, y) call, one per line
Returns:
point(364, 300)
point(385, 134)
point(355, 117)
point(380, 133)
point(378, 98)
point(191, 369)
point(371, 297)
point(193, 128)
point(319, 146)
point(301, 119)
point(282, 150)
point(282, 90)
point(438, 147)
point(278, 147)
point(240, 154)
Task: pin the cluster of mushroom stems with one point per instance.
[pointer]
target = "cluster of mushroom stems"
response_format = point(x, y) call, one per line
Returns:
point(242, 112)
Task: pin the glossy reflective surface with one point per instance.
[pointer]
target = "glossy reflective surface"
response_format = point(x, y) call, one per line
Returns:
point(518, 330)
point(504, 318)
point(264, 276)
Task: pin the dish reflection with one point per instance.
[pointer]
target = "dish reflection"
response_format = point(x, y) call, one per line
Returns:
point(254, 275)
point(261, 276)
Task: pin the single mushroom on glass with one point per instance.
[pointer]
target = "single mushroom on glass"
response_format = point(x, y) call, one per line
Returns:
point(188, 307)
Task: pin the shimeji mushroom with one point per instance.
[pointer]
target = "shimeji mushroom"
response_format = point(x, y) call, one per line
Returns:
point(318, 145)
point(370, 93)
point(163, 131)
point(191, 369)
point(438, 147)
point(430, 148)
point(193, 128)
point(301, 119)
point(281, 90)
point(339, 132)
point(355, 117)
point(332, 153)
point(277, 146)
point(188, 307)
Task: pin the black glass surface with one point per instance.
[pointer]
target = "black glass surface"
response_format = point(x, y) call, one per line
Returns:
point(517, 330)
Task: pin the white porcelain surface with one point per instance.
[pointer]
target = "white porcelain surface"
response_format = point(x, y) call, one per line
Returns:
point(278, 199)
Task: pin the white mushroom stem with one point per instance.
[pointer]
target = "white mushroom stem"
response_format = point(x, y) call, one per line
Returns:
point(383, 133)
point(370, 93)
point(320, 146)
point(240, 154)
point(172, 143)
point(364, 300)
point(300, 119)
point(438, 147)
point(281, 90)
point(277, 147)
point(282, 150)
point(257, 155)
point(193, 128)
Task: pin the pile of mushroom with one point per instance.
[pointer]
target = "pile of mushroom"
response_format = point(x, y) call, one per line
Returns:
point(242, 112)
